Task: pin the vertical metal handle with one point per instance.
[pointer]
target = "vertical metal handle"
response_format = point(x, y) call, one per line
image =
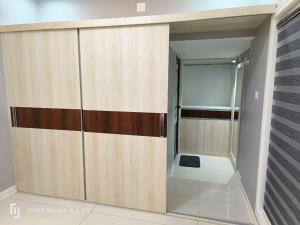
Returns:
point(13, 114)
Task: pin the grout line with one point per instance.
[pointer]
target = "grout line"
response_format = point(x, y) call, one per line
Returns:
point(50, 198)
point(127, 217)
point(86, 216)
point(48, 204)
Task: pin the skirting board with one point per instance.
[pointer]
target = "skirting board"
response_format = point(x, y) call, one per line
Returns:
point(8, 192)
point(262, 217)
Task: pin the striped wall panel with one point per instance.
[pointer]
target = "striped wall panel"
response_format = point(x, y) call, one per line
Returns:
point(282, 193)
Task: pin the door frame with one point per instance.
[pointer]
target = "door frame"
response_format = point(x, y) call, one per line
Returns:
point(178, 111)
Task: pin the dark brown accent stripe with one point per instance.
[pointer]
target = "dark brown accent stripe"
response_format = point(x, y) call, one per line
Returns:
point(208, 114)
point(46, 118)
point(130, 123)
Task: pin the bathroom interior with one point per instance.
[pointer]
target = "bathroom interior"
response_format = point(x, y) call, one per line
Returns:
point(209, 82)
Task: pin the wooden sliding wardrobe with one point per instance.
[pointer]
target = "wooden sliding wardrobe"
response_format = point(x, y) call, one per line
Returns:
point(89, 113)
point(125, 91)
point(43, 92)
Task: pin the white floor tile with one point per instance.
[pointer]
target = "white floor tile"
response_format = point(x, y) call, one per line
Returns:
point(210, 223)
point(214, 187)
point(47, 215)
point(219, 190)
point(141, 215)
point(52, 201)
point(236, 196)
point(182, 186)
point(102, 219)
point(214, 195)
point(182, 204)
point(239, 213)
point(213, 209)
point(221, 193)
point(66, 212)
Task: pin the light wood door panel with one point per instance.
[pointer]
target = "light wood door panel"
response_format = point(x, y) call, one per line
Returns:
point(127, 171)
point(217, 137)
point(48, 162)
point(125, 68)
point(205, 136)
point(42, 71)
point(192, 136)
point(41, 68)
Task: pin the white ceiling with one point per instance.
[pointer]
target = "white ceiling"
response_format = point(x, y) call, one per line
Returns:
point(211, 48)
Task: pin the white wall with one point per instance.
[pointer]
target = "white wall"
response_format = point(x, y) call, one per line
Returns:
point(51, 10)
point(252, 111)
point(18, 11)
point(11, 12)
point(207, 85)
point(6, 162)
point(28, 11)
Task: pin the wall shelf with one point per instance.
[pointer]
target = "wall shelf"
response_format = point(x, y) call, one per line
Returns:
point(215, 108)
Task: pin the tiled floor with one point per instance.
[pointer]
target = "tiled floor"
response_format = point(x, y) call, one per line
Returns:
point(39, 210)
point(211, 191)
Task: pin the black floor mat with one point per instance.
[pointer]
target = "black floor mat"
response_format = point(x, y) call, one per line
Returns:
point(189, 161)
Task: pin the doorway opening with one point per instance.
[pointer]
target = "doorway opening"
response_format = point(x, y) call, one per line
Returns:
point(205, 104)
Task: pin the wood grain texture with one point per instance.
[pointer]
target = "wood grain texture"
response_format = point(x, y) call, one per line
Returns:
point(212, 114)
point(45, 118)
point(130, 123)
point(219, 24)
point(217, 137)
point(205, 137)
point(192, 136)
point(48, 162)
point(235, 139)
point(126, 171)
point(41, 69)
point(125, 68)
point(142, 20)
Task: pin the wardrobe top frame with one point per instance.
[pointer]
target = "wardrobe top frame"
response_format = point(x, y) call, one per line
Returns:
point(201, 21)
